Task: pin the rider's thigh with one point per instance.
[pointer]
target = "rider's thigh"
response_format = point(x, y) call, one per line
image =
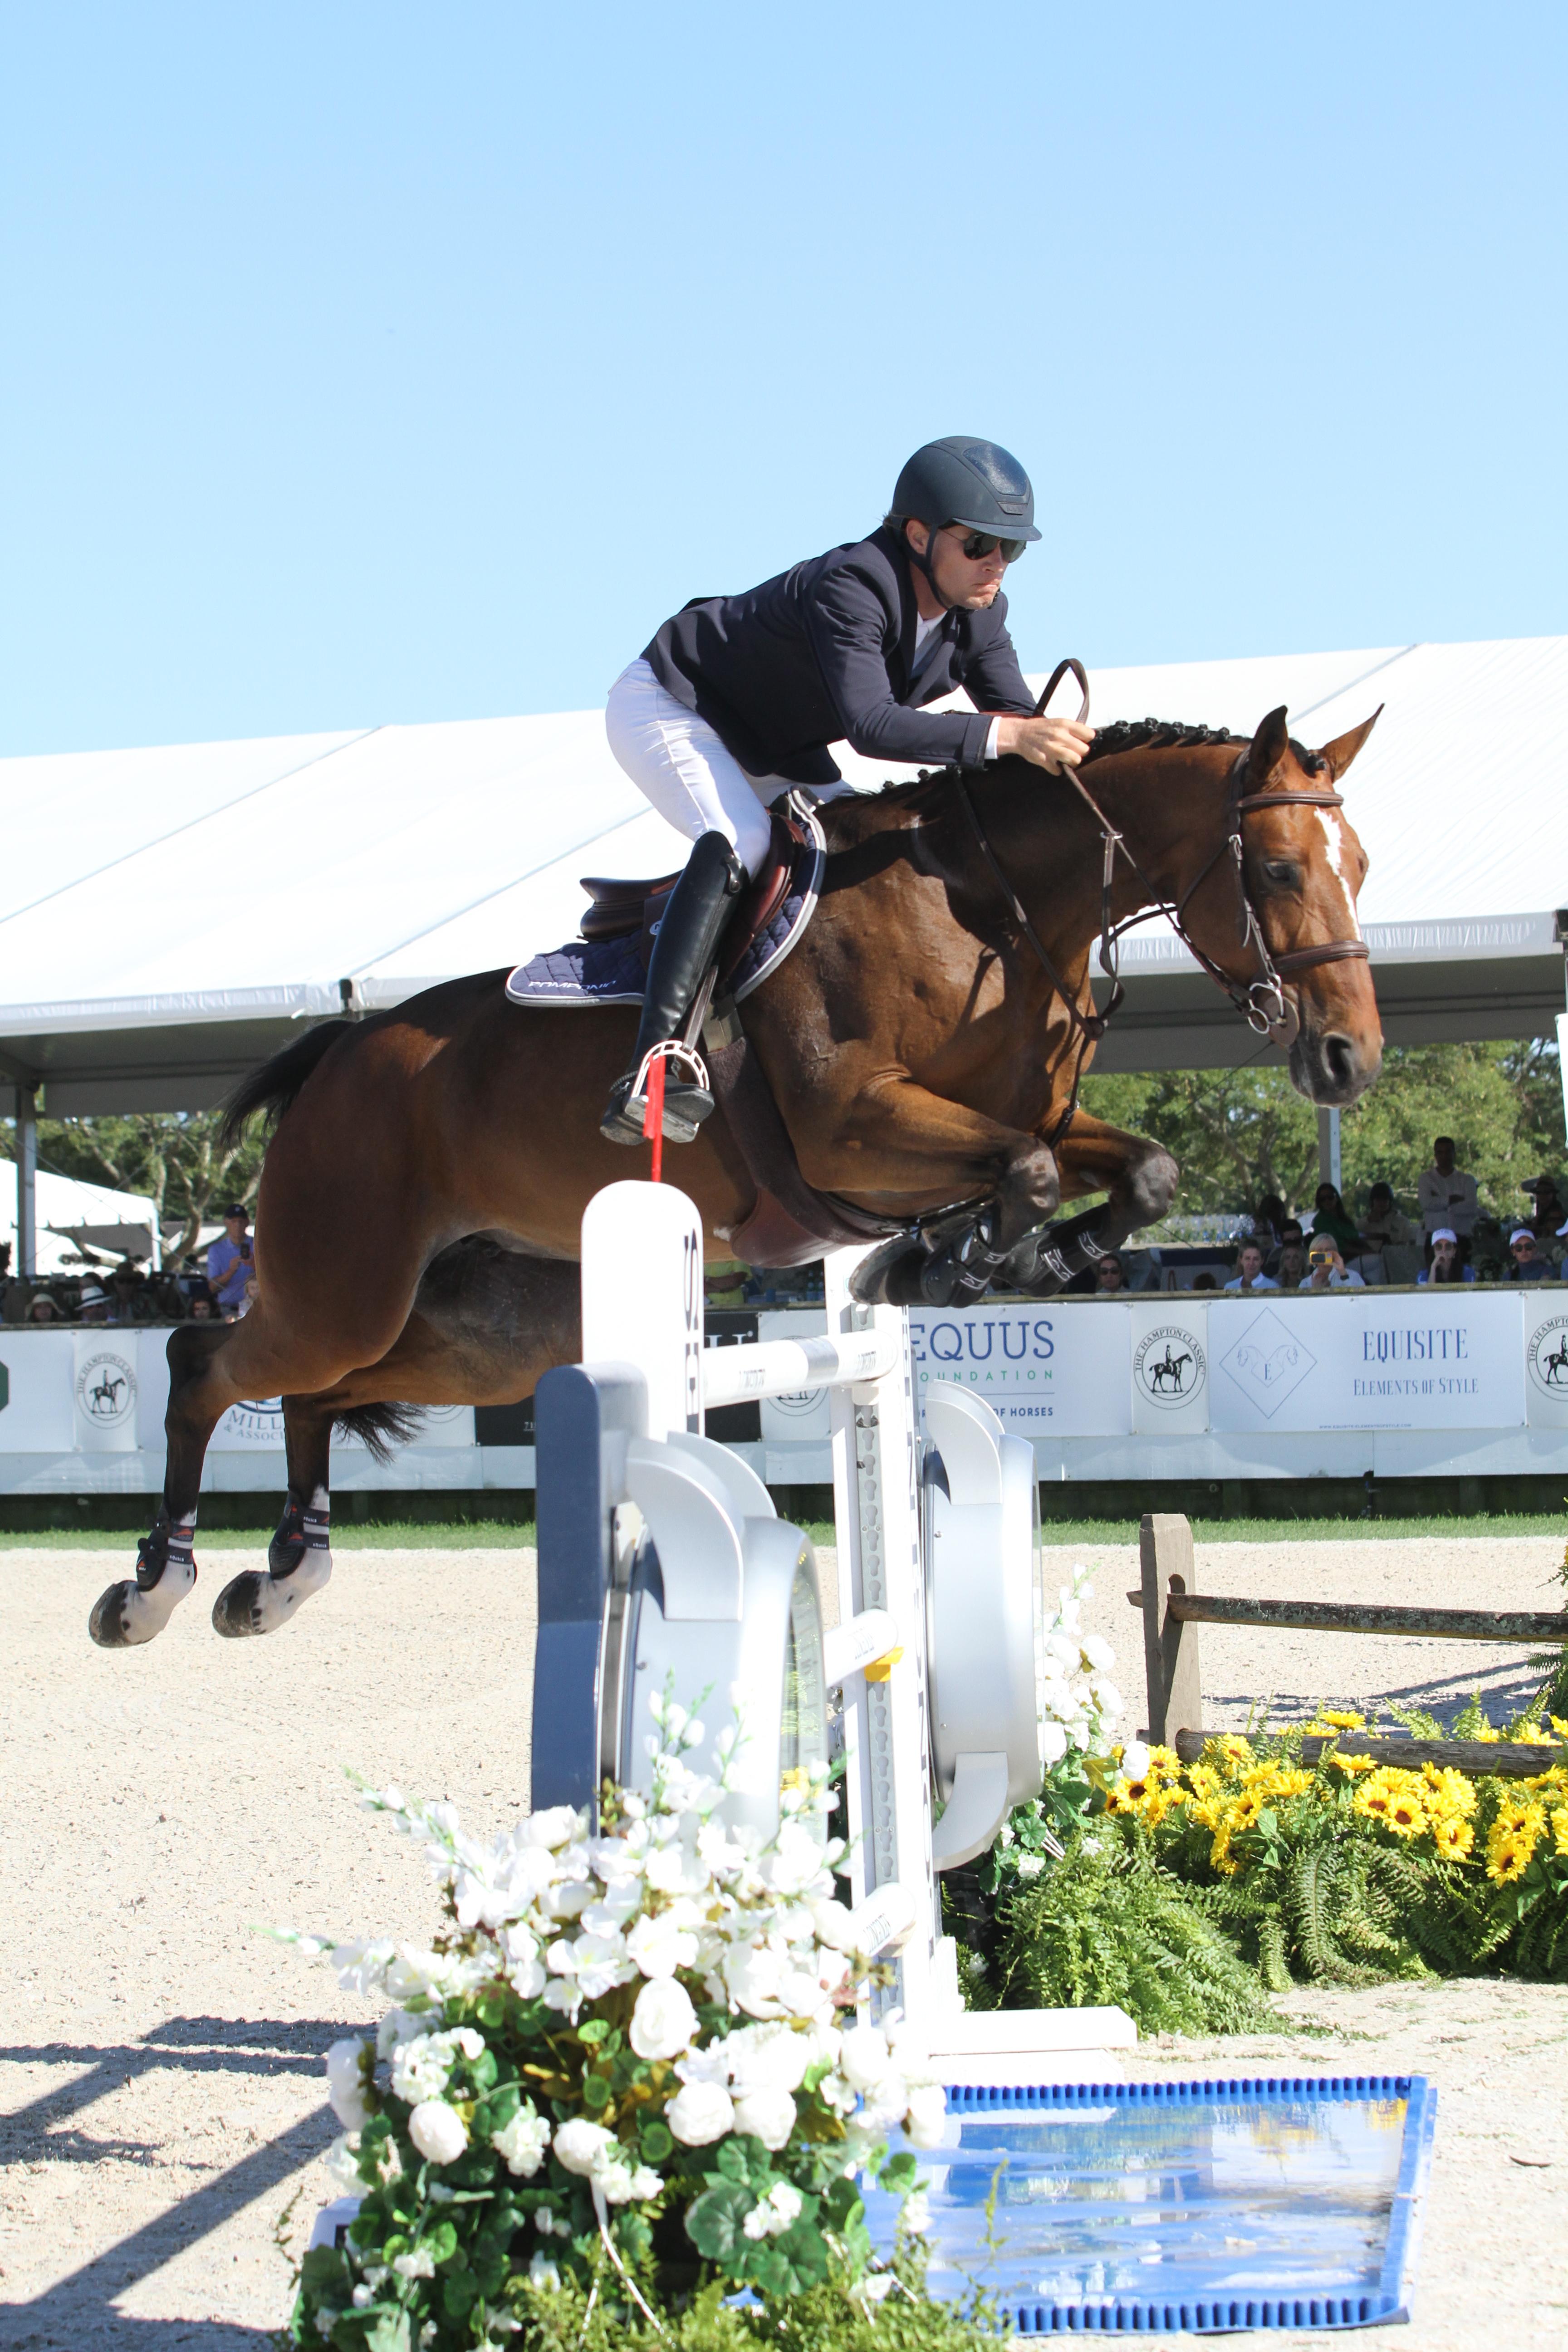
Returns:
point(678, 761)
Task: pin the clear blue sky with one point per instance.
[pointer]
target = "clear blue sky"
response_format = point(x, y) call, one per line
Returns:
point(397, 362)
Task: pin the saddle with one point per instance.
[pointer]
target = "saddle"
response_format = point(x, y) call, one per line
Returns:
point(619, 908)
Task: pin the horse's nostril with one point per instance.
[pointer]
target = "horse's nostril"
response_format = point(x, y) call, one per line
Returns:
point(1339, 1059)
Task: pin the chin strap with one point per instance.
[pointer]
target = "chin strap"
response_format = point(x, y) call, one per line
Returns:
point(922, 564)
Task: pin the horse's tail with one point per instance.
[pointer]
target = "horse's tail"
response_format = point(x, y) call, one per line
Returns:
point(274, 1085)
point(380, 1427)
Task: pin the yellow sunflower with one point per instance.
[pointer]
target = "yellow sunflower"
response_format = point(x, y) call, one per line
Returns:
point(1343, 1718)
point(1451, 1791)
point(1452, 1837)
point(1243, 1812)
point(1407, 1816)
point(1353, 1765)
point(1560, 1828)
point(1507, 1859)
point(1220, 1855)
point(1373, 1798)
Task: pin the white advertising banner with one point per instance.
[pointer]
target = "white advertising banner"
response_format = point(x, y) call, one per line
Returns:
point(1544, 1307)
point(1169, 1364)
point(38, 1382)
point(1450, 1360)
point(1046, 1373)
point(104, 1390)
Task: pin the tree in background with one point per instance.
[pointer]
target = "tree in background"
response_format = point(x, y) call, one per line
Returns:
point(173, 1157)
point(1237, 1134)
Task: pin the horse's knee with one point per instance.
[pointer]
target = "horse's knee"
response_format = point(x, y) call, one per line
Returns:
point(1152, 1183)
point(1029, 1193)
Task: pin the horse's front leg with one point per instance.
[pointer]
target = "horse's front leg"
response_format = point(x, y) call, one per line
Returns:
point(299, 1558)
point(897, 1149)
point(1140, 1177)
point(138, 1608)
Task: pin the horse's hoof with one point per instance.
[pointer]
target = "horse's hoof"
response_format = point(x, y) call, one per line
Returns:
point(889, 1275)
point(127, 1615)
point(254, 1603)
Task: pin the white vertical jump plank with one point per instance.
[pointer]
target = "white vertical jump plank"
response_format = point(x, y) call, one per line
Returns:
point(875, 1508)
point(642, 1296)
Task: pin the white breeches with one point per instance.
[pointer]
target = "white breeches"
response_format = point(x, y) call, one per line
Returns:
point(676, 761)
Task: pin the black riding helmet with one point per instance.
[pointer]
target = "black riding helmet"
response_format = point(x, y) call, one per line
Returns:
point(960, 480)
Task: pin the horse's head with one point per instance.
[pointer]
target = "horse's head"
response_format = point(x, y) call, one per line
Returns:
point(1303, 867)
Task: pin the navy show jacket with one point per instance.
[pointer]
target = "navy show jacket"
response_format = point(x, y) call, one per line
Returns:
point(822, 653)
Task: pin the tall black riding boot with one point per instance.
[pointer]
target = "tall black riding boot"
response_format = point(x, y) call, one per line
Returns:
point(689, 929)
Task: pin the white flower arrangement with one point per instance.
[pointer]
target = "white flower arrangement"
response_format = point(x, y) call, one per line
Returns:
point(651, 2017)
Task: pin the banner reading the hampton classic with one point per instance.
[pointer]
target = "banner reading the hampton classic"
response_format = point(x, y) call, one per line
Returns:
point(1449, 1360)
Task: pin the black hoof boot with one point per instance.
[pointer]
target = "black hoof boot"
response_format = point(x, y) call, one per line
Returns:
point(889, 1274)
point(137, 1609)
point(1046, 1261)
point(960, 1273)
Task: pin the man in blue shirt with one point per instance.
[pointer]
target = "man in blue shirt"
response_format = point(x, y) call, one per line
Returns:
point(232, 1261)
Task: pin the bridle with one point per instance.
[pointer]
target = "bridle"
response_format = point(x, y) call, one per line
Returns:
point(1262, 1001)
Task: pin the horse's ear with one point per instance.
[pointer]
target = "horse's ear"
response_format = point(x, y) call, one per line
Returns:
point(1343, 749)
point(1269, 746)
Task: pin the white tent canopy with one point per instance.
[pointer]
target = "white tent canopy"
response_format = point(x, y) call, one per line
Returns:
point(68, 1212)
point(166, 916)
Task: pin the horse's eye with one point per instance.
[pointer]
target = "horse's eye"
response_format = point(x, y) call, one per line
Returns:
point(1281, 870)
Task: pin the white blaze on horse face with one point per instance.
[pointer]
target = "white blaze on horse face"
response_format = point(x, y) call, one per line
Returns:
point(1333, 833)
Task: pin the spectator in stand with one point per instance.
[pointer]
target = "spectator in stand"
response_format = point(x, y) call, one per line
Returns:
point(1326, 1269)
point(92, 1304)
point(1268, 1222)
point(1205, 1281)
point(1547, 1217)
point(1525, 1261)
point(1291, 1266)
point(43, 1309)
point(231, 1261)
point(1110, 1276)
point(202, 1308)
point(1445, 1194)
point(1446, 1264)
point(1289, 1233)
point(1330, 1216)
point(1383, 1223)
point(1249, 1273)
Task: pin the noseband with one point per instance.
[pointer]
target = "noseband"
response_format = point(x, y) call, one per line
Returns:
point(1262, 1001)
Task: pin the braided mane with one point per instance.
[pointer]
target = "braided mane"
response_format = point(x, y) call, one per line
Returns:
point(1174, 734)
point(1154, 734)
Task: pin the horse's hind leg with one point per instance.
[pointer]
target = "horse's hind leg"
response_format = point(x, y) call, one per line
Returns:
point(299, 1556)
point(140, 1607)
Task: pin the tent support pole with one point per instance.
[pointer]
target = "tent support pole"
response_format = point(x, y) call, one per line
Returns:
point(27, 1181)
point(1328, 1148)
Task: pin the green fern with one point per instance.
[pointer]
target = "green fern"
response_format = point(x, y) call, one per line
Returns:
point(1108, 1926)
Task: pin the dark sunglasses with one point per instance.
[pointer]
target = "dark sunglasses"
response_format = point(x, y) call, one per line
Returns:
point(981, 544)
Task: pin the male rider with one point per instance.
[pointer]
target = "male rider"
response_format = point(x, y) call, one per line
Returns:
point(737, 698)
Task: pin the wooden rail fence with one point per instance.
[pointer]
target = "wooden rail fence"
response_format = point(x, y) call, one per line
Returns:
point(1172, 1613)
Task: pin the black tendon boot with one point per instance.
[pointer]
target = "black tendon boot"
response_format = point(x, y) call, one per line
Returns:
point(687, 939)
point(1046, 1260)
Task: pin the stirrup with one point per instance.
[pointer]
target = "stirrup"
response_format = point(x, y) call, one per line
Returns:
point(686, 1102)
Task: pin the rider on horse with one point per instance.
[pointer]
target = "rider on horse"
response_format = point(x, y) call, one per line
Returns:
point(737, 698)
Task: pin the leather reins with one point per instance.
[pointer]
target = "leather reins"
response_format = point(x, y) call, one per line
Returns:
point(1262, 1001)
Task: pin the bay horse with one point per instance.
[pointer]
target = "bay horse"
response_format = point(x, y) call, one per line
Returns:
point(422, 1192)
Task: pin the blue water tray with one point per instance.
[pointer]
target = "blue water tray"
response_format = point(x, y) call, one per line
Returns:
point(1138, 2207)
